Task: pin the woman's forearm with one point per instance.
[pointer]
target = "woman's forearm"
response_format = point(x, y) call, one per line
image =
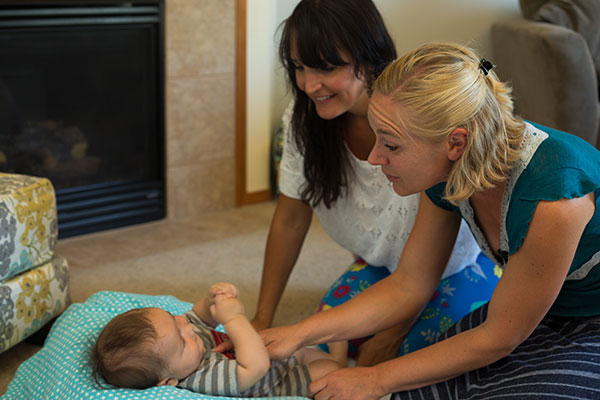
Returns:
point(280, 257)
point(382, 347)
point(367, 313)
point(447, 359)
point(286, 236)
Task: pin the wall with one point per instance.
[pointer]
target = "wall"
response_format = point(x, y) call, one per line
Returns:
point(410, 22)
point(200, 106)
point(259, 67)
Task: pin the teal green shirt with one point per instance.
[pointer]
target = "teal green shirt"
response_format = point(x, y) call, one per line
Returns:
point(553, 165)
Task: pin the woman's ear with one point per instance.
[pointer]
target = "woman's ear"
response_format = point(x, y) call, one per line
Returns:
point(168, 382)
point(457, 143)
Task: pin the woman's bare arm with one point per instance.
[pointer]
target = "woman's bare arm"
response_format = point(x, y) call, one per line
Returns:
point(395, 300)
point(528, 288)
point(290, 223)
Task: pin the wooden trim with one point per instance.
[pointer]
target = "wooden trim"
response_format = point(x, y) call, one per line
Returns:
point(257, 197)
point(241, 196)
point(240, 103)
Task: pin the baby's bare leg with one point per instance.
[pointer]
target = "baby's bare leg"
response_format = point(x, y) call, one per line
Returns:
point(307, 355)
point(319, 363)
point(339, 352)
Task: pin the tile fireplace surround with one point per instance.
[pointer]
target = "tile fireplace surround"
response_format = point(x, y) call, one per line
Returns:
point(200, 106)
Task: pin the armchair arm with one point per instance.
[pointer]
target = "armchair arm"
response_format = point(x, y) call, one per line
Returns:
point(552, 75)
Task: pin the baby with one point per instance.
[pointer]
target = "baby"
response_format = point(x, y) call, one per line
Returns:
point(147, 347)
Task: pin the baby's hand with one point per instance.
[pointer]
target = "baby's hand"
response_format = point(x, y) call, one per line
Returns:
point(223, 309)
point(226, 289)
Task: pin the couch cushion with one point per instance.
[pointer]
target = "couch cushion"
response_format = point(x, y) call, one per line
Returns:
point(530, 7)
point(29, 300)
point(28, 223)
point(581, 16)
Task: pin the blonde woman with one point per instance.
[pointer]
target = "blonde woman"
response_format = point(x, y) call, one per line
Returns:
point(444, 127)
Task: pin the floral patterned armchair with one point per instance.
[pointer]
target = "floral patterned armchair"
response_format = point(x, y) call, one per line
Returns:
point(34, 282)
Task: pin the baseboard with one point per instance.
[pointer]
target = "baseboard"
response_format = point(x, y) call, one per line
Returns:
point(255, 197)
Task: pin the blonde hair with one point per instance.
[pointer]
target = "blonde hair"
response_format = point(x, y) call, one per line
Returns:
point(440, 87)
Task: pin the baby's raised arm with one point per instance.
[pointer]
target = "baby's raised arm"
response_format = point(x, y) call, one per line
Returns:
point(250, 352)
point(222, 306)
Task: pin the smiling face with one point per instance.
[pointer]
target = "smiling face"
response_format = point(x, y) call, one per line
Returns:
point(410, 162)
point(334, 89)
point(177, 343)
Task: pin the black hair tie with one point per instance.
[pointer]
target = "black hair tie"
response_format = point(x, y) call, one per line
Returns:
point(485, 66)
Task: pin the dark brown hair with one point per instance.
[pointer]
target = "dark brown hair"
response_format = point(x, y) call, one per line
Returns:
point(322, 29)
point(123, 354)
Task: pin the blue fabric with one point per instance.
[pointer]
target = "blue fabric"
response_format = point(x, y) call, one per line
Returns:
point(564, 166)
point(62, 368)
point(358, 277)
point(455, 297)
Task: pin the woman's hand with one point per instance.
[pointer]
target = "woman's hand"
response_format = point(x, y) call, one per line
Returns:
point(282, 342)
point(223, 347)
point(382, 347)
point(348, 384)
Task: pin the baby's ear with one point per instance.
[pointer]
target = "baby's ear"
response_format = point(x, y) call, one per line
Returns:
point(168, 382)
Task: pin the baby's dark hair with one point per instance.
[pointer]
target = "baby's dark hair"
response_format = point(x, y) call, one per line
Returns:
point(123, 354)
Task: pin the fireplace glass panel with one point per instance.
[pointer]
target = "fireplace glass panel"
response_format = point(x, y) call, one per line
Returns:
point(81, 104)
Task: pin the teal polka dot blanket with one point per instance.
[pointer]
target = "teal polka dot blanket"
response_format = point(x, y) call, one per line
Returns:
point(62, 368)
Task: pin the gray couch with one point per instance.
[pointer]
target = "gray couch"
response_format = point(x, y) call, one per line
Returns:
point(551, 57)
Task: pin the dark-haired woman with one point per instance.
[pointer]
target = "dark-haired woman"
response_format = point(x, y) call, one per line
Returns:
point(332, 49)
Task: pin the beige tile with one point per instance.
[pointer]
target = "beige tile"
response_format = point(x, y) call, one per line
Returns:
point(127, 243)
point(140, 240)
point(104, 247)
point(198, 189)
point(200, 119)
point(200, 37)
point(239, 220)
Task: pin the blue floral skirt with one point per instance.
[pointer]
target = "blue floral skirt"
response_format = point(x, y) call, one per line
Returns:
point(454, 297)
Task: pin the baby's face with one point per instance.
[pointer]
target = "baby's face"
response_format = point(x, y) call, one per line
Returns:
point(177, 341)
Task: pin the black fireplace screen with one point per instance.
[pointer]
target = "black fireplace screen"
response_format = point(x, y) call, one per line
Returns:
point(81, 103)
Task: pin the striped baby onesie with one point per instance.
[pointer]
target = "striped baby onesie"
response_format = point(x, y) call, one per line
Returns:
point(217, 374)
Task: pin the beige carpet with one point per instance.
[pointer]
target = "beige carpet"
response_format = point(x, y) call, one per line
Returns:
point(182, 258)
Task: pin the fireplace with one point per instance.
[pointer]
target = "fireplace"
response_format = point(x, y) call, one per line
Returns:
point(82, 103)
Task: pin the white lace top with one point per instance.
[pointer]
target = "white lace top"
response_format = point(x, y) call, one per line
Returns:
point(371, 220)
point(532, 138)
